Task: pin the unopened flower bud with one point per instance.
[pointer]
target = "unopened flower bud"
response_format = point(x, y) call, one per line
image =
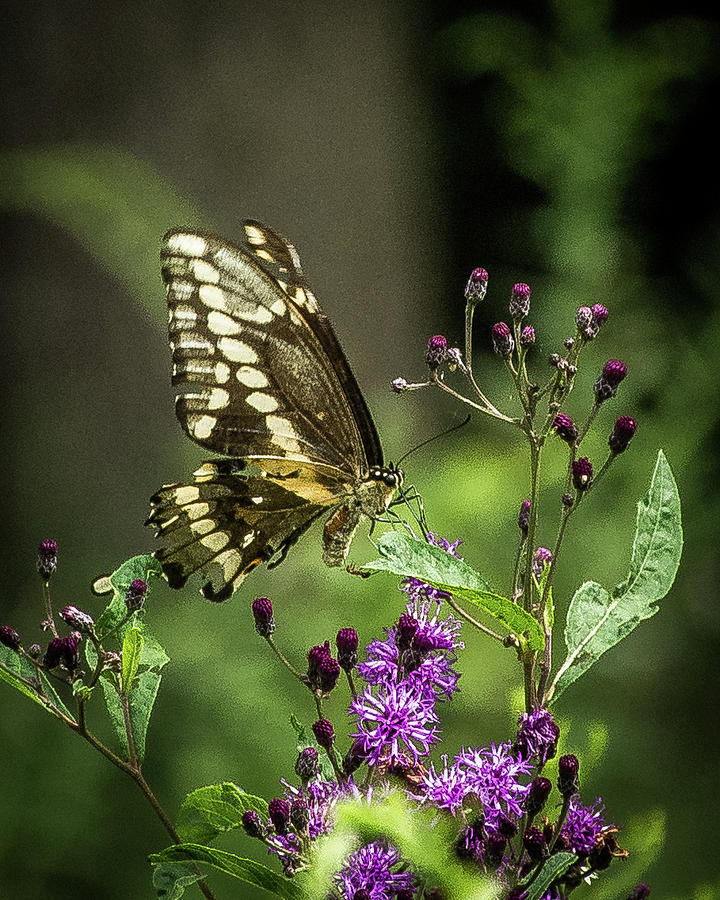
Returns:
point(569, 343)
point(252, 823)
point(542, 558)
point(436, 352)
point(75, 618)
point(135, 595)
point(568, 767)
point(399, 385)
point(62, 650)
point(582, 472)
point(262, 610)
point(600, 314)
point(354, 758)
point(306, 765)
point(565, 428)
point(520, 300)
point(316, 655)
point(583, 317)
point(9, 637)
point(35, 651)
point(47, 559)
point(279, 814)
point(527, 336)
point(534, 843)
point(299, 814)
point(406, 628)
point(506, 826)
point(524, 516)
point(614, 371)
point(502, 338)
point(347, 644)
point(568, 500)
point(328, 673)
point(537, 795)
point(476, 286)
point(622, 433)
point(324, 733)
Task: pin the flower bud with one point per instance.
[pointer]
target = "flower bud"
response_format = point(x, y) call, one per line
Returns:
point(503, 342)
point(625, 428)
point(476, 286)
point(9, 637)
point(279, 814)
point(63, 650)
point(568, 767)
point(542, 558)
point(324, 733)
point(406, 628)
point(35, 651)
point(583, 317)
point(524, 516)
point(347, 644)
point(354, 758)
point(306, 765)
point(565, 428)
point(534, 843)
point(582, 472)
point(316, 655)
point(135, 595)
point(537, 795)
point(520, 300)
point(75, 618)
point(47, 559)
point(436, 352)
point(299, 814)
point(506, 826)
point(600, 314)
point(262, 611)
point(328, 673)
point(252, 823)
point(399, 385)
point(527, 336)
point(614, 371)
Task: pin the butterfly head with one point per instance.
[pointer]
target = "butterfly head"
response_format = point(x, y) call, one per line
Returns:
point(389, 476)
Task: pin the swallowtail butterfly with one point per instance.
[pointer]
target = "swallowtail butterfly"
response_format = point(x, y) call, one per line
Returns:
point(261, 378)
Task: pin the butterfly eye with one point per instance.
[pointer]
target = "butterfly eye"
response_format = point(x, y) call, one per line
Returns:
point(390, 479)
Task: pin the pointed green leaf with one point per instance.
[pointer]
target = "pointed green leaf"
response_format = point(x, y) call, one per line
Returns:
point(131, 650)
point(14, 669)
point(213, 810)
point(142, 699)
point(553, 868)
point(597, 620)
point(403, 555)
point(246, 870)
point(171, 880)
point(115, 712)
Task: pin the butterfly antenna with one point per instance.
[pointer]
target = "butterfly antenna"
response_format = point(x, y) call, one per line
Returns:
point(435, 437)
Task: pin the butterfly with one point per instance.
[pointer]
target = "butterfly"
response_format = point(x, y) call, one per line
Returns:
point(262, 379)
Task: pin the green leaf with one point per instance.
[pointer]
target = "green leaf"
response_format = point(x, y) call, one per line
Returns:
point(115, 712)
point(131, 650)
point(553, 868)
point(305, 738)
point(153, 654)
point(145, 567)
point(598, 620)
point(13, 669)
point(142, 699)
point(408, 557)
point(171, 880)
point(246, 870)
point(213, 810)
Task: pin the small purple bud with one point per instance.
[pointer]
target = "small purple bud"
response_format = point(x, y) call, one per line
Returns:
point(534, 843)
point(47, 559)
point(324, 733)
point(639, 892)
point(476, 286)
point(582, 472)
point(354, 758)
point(537, 795)
point(568, 767)
point(583, 317)
point(399, 385)
point(436, 352)
point(75, 618)
point(63, 650)
point(279, 813)
point(524, 516)
point(306, 765)
point(625, 428)
point(316, 655)
point(542, 558)
point(135, 595)
point(507, 827)
point(527, 336)
point(252, 823)
point(555, 359)
point(565, 428)
point(569, 343)
point(35, 651)
point(9, 637)
point(600, 314)
point(299, 814)
point(328, 673)
point(262, 610)
point(347, 644)
point(568, 500)
point(614, 371)
point(520, 300)
point(503, 342)
point(406, 628)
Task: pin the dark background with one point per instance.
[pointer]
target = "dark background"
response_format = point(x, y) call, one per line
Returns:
point(568, 145)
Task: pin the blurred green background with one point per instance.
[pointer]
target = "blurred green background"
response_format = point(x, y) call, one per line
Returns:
point(398, 145)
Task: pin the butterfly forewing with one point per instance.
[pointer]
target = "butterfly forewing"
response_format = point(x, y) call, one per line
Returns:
point(262, 378)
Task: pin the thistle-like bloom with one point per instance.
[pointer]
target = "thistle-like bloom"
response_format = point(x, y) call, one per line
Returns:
point(436, 352)
point(520, 300)
point(476, 286)
point(527, 336)
point(395, 721)
point(493, 774)
point(537, 736)
point(76, 618)
point(47, 559)
point(583, 825)
point(370, 869)
point(565, 428)
point(582, 472)
point(135, 595)
point(262, 611)
point(9, 637)
point(444, 788)
point(502, 338)
point(622, 434)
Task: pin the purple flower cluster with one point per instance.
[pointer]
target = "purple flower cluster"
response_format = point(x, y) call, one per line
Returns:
point(370, 869)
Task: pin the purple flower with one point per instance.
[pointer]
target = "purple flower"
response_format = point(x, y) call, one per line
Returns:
point(262, 611)
point(537, 737)
point(370, 869)
point(444, 789)
point(622, 434)
point(502, 339)
point(436, 352)
point(583, 825)
point(321, 798)
point(520, 300)
point(493, 774)
point(395, 721)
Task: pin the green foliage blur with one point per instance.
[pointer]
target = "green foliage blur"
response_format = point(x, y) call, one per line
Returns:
point(561, 144)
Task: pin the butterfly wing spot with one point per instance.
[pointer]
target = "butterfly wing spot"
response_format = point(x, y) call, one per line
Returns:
point(187, 244)
point(251, 377)
point(201, 426)
point(205, 272)
point(186, 494)
point(182, 317)
point(278, 308)
point(221, 372)
point(264, 403)
point(236, 351)
point(180, 290)
point(254, 235)
point(212, 296)
point(215, 541)
point(218, 398)
point(221, 324)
